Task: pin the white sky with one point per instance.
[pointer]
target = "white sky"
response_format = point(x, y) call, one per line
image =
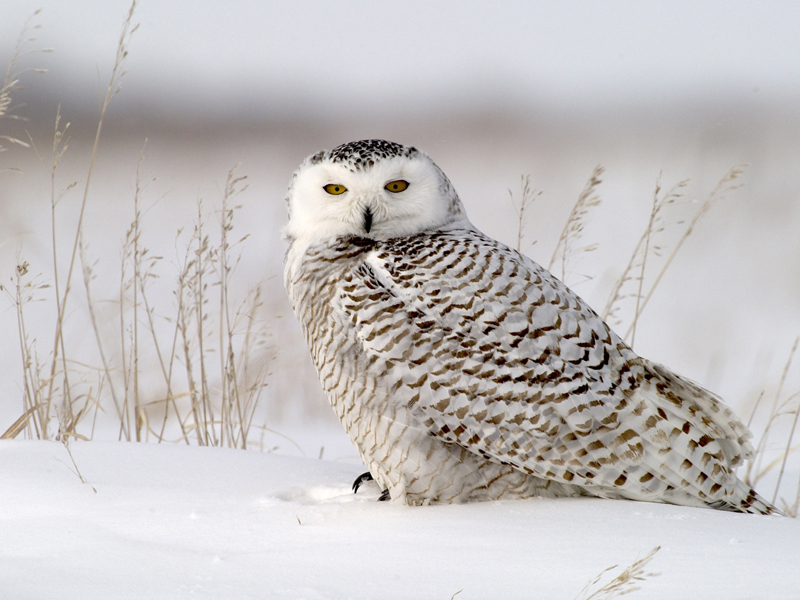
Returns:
point(365, 56)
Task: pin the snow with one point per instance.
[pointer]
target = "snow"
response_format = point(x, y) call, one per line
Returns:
point(171, 521)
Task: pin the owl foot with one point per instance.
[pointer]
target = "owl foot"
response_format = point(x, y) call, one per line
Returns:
point(363, 478)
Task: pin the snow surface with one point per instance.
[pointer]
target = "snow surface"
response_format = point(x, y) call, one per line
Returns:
point(169, 521)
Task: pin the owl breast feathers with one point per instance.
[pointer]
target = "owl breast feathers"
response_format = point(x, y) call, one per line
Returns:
point(464, 371)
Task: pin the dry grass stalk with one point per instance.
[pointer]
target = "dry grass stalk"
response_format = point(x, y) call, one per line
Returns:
point(790, 408)
point(34, 416)
point(182, 320)
point(624, 583)
point(573, 228)
point(182, 326)
point(727, 184)
point(117, 73)
point(204, 256)
point(789, 449)
point(65, 441)
point(131, 253)
point(88, 276)
point(145, 271)
point(19, 425)
point(228, 419)
point(235, 410)
point(12, 79)
point(126, 338)
point(60, 146)
point(644, 248)
point(528, 197)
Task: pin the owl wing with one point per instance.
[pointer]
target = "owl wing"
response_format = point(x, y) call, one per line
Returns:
point(493, 353)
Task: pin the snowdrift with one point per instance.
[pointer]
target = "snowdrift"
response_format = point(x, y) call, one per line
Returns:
point(167, 521)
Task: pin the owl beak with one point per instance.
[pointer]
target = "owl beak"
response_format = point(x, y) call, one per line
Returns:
point(367, 219)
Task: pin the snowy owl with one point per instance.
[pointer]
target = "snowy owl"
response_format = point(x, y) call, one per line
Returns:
point(464, 371)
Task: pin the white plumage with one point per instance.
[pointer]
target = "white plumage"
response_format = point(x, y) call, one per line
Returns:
point(464, 371)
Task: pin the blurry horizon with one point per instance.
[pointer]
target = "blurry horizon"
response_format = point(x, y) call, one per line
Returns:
point(359, 59)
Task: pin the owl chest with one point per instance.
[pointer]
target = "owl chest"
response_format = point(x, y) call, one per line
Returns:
point(348, 375)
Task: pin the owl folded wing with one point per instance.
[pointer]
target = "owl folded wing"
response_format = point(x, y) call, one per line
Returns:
point(494, 354)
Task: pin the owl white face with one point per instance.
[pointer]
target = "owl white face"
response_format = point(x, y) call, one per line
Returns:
point(372, 189)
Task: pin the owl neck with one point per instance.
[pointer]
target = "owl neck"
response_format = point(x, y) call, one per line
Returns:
point(299, 246)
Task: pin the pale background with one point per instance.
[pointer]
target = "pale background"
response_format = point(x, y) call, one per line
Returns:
point(492, 91)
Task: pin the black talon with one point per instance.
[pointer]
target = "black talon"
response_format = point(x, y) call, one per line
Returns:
point(384, 496)
point(363, 478)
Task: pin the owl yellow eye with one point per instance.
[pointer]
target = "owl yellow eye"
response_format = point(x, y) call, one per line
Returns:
point(397, 186)
point(335, 189)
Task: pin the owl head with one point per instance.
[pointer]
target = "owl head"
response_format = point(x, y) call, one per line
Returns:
point(372, 189)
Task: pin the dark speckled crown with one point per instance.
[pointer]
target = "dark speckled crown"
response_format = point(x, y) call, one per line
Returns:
point(362, 154)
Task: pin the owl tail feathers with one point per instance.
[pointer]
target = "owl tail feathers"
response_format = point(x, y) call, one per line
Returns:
point(746, 500)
